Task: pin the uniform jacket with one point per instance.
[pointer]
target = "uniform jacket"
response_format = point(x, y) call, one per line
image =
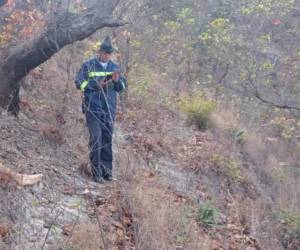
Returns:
point(100, 102)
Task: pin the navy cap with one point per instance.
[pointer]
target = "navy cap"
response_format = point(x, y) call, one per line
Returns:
point(106, 45)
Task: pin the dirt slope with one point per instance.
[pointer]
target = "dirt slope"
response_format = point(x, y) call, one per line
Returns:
point(166, 171)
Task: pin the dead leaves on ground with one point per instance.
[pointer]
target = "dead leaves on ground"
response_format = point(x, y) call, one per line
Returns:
point(153, 135)
point(4, 230)
point(69, 190)
point(52, 135)
point(8, 176)
point(149, 174)
point(116, 223)
point(68, 229)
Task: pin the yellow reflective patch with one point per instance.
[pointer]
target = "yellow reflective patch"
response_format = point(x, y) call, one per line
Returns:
point(93, 74)
point(83, 85)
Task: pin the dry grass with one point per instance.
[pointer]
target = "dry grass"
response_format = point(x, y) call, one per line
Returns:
point(84, 237)
point(163, 221)
point(277, 161)
point(224, 119)
point(160, 219)
point(274, 168)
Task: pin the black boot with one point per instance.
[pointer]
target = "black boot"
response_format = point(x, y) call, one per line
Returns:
point(108, 178)
point(98, 179)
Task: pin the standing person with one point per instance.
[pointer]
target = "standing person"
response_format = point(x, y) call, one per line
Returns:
point(99, 79)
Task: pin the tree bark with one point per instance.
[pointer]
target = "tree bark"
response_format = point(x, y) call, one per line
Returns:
point(65, 29)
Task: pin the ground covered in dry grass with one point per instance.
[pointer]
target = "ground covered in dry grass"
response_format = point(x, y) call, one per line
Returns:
point(176, 188)
point(183, 174)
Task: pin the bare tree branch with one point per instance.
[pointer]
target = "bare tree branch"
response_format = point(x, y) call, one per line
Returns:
point(277, 105)
point(259, 96)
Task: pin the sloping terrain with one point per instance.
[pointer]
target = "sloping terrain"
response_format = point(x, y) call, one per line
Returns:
point(176, 187)
point(65, 207)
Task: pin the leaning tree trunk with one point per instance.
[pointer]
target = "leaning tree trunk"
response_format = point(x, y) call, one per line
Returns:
point(65, 29)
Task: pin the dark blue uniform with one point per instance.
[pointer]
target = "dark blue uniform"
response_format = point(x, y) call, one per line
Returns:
point(99, 107)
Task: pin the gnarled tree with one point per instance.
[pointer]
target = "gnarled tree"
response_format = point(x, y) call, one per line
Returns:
point(64, 28)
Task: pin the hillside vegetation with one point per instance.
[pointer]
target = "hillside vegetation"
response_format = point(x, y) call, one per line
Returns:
point(206, 145)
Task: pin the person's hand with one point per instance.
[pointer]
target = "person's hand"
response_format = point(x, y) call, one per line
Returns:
point(116, 76)
point(101, 84)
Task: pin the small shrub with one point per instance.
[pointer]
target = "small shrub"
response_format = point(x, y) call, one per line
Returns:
point(153, 165)
point(238, 135)
point(208, 215)
point(291, 225)
point(228, 166)
point(198, 110)
point(181, 238)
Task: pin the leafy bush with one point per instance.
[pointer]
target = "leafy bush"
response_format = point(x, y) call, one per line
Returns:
point(208, 215)
point(198, 110)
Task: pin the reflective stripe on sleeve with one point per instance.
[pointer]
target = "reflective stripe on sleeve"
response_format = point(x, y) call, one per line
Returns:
point(93, 74)
point(83, 85)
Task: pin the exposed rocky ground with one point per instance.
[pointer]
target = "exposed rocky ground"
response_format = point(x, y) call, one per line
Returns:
point(65, 207)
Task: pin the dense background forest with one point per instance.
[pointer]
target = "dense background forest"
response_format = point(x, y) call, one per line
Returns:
point(207, 138)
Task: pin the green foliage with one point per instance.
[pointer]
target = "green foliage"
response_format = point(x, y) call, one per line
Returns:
point(229, 167)
point(181, 238)
point(238, 135)
point(140, 78)
point(267, 7)
point(291, 224)
point(186, 16)
point(208, 214)
point(218, 33)
point(286, 128)
point(267, 66)
point(136, 43)
point(173, 25)
point(198, 110)
point(154, 166)
point(222, 23)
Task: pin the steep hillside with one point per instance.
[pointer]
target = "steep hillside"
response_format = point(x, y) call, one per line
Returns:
point(207, 137)
point(176, 188)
